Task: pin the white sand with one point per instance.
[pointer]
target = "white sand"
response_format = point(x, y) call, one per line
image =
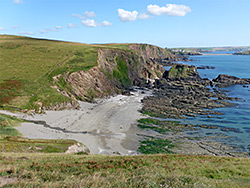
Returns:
point(109, 124)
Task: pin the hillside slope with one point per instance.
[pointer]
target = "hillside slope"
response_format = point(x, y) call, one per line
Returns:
point(38, 74)
point(64, 170)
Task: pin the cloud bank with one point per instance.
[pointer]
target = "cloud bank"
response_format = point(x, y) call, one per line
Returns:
point(154, 10)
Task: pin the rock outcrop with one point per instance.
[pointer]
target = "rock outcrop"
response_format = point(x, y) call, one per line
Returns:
point(182, 91)
point(183, 72)
point(224, 80)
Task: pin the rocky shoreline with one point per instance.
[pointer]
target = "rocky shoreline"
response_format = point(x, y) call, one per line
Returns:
point(182, 92)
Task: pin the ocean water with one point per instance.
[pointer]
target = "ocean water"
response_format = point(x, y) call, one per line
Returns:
point(236, 117)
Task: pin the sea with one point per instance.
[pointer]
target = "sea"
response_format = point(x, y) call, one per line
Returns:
point(236, 117)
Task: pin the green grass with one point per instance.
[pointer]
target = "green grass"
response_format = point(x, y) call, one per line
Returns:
point(180, 71)
point(29, 64)
point(121, 72)
point(18, 144)
point(160, 126)
point(7, 124)
point(68, 170)
point(155, 146)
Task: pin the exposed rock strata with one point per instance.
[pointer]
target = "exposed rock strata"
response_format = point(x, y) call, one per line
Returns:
point(117, 70)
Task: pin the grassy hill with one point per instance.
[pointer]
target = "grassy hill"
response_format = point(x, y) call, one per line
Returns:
point(28, 66)
point(38, 73)
point(75, 170)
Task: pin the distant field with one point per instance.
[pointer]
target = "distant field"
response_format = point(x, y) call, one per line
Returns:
point(28, 65)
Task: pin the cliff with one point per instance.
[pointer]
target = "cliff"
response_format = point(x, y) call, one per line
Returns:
point(116, 71)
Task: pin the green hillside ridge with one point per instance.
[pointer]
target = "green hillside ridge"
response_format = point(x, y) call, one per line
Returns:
point(29, 66)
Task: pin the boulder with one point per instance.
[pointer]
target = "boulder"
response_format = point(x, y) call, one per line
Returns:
point(77, 148)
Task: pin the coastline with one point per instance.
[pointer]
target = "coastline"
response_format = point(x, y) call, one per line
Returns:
point(102, 126)
point(109, 127)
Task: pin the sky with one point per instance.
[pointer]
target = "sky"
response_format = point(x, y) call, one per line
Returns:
point(166, 23)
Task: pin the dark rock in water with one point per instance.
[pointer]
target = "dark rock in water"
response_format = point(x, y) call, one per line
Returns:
point(205, 67)
point(224, 80)
point(230, 129)
point(245, 86)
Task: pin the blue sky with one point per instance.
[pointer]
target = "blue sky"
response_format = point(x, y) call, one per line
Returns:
point(166, 23)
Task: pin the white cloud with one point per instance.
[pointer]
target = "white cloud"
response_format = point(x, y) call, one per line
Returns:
point(18, 1)
point(89, 23)
point(70, 25)
point(1, 28)
point(169, 9)
point(89, 14)
point(143, 16)
point(15, 26)
point(26, 33)
point(78, 16)
point(51, 29)
point(58, 27)
point(106, 23)
point(43, 31)
point(93, 23)
point(127, 16)
point(154, 10)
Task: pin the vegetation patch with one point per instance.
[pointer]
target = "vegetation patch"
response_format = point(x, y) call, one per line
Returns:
point(155, 145)
point(7, 124)
point(71, 170)
point(160, 126)
point(9, 89)
point(121, 72)
point(180, 71)
point(18, 144)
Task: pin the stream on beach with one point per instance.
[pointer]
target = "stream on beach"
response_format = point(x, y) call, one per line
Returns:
point(234, 125)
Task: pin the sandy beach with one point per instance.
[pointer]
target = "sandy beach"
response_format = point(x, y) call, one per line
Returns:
point(105, 127)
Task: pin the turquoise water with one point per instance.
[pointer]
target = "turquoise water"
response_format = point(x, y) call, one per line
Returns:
point(237, 117)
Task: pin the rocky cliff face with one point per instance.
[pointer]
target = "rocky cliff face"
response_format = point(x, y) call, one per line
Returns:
point(116, 71)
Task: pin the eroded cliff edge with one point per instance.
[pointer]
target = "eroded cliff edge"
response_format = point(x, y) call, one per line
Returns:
point(117, 70)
